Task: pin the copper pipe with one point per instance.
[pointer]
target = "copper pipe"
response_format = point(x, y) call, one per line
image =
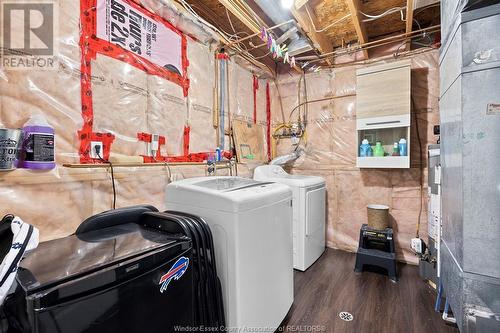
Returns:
point(401, 39)
point(394, 38)
point(374, 60)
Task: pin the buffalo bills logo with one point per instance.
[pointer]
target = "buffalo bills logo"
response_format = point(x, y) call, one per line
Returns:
point(175, 273)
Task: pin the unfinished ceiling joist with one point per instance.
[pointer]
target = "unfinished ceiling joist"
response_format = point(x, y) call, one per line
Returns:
point(320, 41)
point(409, 20)
point(251, 20)
point(300, 3)
point(240, 14)
point(244, 15)
point(358, 24)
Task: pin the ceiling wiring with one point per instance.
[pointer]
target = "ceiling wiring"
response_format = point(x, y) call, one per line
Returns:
point(387, 12)
point(190, 9)
point(401, 55)
point(396, 54)
point(263, 56)
point(234, 41)
point(230, 21)
point(229, 39)
point(377, 43)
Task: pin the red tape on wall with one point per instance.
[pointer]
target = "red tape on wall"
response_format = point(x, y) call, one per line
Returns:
point(90, 45)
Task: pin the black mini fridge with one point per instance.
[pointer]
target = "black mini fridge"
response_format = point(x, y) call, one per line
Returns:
point(117, 277)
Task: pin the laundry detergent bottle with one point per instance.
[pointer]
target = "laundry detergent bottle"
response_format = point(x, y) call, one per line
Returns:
point(379, 150)
point(365, 150)
point(403, 148)
point(38, 148)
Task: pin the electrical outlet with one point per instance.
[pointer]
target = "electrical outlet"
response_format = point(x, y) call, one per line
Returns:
point(418, 245)
point(93, 153)
point(154, 145)
point(155, 142)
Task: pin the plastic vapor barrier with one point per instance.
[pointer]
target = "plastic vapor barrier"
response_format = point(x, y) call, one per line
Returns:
point(330, 150)
point(126, 101)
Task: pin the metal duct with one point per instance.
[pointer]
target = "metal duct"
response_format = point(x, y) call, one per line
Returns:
point(470, 241)
point(277, 14)
point(287, 35)
point(298, 46)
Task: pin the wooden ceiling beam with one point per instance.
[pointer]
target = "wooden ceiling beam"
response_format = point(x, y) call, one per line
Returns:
point(247, 16)
point(320, 40)
point(300, 3)
point(409, 20)
point(248, 21)
point(358, 23)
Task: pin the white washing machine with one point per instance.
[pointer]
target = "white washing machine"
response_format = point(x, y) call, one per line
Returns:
point(309, 212)
point(251, 223)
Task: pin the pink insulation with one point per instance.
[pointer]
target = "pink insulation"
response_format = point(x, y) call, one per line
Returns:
point(126, 101)
point(331, 152)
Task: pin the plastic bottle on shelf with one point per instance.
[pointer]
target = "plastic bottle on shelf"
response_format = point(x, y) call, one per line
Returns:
point(365, 150)
point(379, 151)
point(218, 154)
point(395, 149)
point(38, 149)
point(403, 148)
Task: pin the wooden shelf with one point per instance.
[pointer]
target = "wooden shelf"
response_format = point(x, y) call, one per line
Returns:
point(387, 162)
point(96, 172)
point(129, 165)
point(383, 105)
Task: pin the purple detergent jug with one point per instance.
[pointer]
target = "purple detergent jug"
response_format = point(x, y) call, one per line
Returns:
point(38, 144)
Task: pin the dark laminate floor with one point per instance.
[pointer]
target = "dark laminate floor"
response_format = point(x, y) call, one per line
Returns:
point(378, 305)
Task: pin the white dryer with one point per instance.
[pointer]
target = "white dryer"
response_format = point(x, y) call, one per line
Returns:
point(251, 223)
point(309, 212)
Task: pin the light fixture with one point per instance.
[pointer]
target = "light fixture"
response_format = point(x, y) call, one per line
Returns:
point(287, 3)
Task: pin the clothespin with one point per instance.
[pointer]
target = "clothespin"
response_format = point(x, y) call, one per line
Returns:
point(263, 34)
point(286, 59)
point(317, 69)
point(312, 68)
point(284, 48)
point(305, 65)
point(292, 62)
point(269, 41)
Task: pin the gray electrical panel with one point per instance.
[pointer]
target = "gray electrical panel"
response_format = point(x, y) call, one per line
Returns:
point(470, 159)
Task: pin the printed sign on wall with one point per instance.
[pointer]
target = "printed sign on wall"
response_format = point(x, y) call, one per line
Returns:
point(126, 31)
point(121, 24)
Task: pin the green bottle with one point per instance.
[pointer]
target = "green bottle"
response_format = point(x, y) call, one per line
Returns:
point(378, 151)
